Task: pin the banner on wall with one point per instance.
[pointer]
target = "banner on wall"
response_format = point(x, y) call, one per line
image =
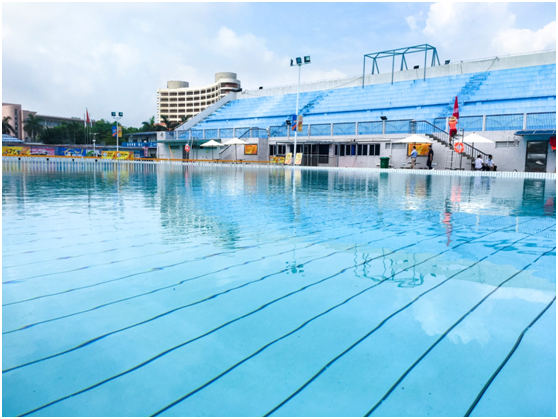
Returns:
point(117, 155)
point(250, 149)
point(422, 149)
point(42, 151)
point(72, 151)
point(280, 160)
point(299, 124)
point(273, 159)
point(16, 151)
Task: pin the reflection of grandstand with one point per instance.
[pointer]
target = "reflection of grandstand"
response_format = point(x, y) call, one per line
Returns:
point(500, 96)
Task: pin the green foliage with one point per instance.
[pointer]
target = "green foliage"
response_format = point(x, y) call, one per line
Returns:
point(33, 126)
point(6, 126)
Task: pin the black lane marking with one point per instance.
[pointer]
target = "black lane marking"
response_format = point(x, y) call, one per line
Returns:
point(445, 334)
point(504, 362)
point(232, 321)
point(168, 312)
point(172, 285)
point(325, 312)
point(148, 361)
point(323, 369)
point(196, 259)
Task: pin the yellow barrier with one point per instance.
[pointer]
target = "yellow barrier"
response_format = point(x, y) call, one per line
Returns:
point(136, 159)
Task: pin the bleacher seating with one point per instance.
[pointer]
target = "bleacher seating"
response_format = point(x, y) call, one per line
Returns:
point(516, 90)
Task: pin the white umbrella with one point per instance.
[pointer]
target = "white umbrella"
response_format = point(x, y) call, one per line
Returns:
point(235, 141)
point(212, 144)
point(476, 138)
point(415, 138)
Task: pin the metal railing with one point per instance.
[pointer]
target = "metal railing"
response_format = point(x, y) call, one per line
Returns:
point(541, 120)
point(504, 122)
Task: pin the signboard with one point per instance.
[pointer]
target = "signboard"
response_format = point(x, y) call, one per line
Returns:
point(119, 131)
point(289, 158)
point(298, 159)
point(251, 149)
point(422, 149)
point(72, 151)
point(16, 151)
point(145, 152)
point(273, 159)
point(280, 160)
point(299, 124)
point(151, 144)
point(117, 155)
point(42, 151)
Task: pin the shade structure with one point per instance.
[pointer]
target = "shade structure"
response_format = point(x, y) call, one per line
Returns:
point(420, 139)
point(235, 142)
point(476, 138)
point(212, 144)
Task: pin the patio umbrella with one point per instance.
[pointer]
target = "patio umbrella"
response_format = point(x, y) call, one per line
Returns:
point(212, 144)
point(235, 142)
point(415, 138)
point(476, 138)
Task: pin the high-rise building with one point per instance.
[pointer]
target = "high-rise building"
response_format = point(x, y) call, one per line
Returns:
point(179, 99)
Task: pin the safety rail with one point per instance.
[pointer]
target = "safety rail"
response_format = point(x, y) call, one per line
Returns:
point(476, 123)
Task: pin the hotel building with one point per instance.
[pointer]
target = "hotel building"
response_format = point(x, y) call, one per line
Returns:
point(179, 99)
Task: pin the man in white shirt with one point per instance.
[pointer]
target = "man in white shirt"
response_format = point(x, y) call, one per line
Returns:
point(490, 163)
point(478, 163)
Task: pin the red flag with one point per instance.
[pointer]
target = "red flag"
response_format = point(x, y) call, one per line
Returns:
point(87, 120)
point(456, 109)
point(552, 142)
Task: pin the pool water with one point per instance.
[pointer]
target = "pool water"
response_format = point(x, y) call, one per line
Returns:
point(234, 291)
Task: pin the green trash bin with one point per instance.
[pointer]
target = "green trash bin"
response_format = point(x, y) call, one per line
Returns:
point(384, 162)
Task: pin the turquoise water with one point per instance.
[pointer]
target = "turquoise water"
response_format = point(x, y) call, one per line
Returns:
point(230, 291)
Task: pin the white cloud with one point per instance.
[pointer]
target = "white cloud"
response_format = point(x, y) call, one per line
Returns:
point(513, 40)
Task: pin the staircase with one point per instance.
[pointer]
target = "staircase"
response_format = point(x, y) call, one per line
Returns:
point(466, 92)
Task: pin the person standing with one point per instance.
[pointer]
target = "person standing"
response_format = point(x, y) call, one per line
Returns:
point(430, 157)
point(413, 157)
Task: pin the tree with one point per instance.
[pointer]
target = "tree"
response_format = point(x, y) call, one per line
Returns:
point(149, 125)
point(33, 126)
point(172, 125)
point(6, 126)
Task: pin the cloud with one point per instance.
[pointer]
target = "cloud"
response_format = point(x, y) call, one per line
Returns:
point(513, 40)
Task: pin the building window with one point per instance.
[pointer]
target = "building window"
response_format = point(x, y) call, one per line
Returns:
point(501, 144)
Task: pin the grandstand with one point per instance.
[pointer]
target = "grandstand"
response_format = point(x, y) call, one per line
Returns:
point(496, 96)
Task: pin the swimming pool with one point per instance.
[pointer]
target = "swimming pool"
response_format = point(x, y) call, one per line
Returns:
point(234, 291)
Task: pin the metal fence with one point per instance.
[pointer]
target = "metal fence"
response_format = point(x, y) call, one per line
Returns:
point(471, 123)
point(506, 122)
point(320, 130)
point(541, 120)
point(370, 128)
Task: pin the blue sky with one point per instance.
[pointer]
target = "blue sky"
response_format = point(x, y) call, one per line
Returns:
point(58, 58)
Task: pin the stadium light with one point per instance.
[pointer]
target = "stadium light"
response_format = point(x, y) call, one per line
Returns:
point(299, 63)
point(117, 118)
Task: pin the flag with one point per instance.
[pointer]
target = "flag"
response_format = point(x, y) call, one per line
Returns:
point(87, 120)
point(456, 109)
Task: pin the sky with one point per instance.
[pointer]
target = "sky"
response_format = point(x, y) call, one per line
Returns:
point(60, 58)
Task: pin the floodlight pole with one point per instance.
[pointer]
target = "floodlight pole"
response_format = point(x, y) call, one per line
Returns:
point(296, 130)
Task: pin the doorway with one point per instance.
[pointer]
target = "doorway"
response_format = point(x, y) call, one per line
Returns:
point(535, 158)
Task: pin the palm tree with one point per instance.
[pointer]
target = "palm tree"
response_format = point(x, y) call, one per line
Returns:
point(6, 126)
point(170, 125)
point(148, 125)
point(33, 125)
